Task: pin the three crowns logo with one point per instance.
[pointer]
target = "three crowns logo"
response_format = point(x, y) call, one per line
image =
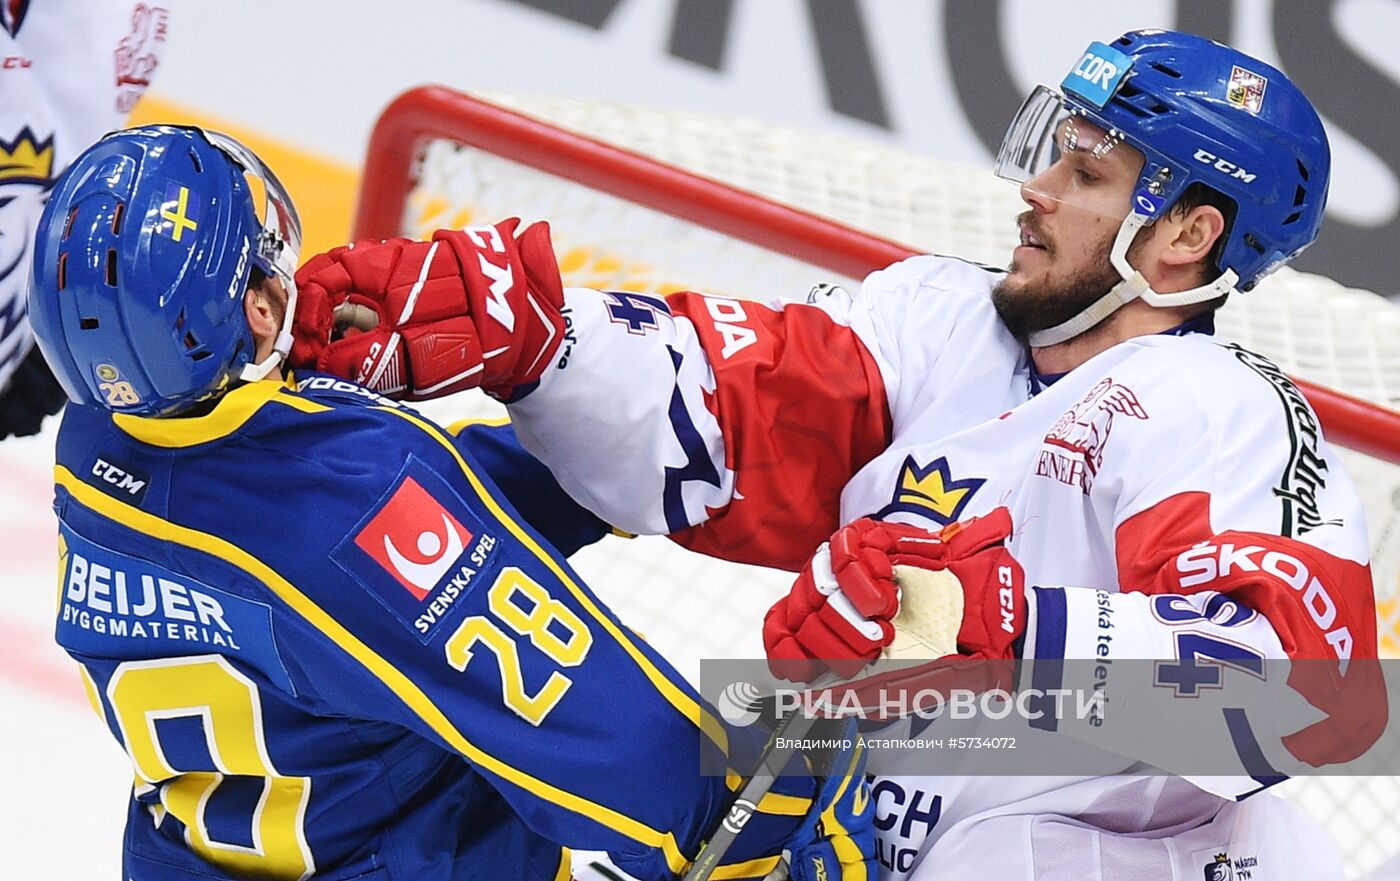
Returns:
point(931, 492)
point(26, 159)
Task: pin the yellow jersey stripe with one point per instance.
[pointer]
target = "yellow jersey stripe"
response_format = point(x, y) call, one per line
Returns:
point(233, 411)
point(62, 571)
point(685, 704)
point(565, 872)
point(402, 686)
point(296, 402)
point(90, 689)
point(462, 425)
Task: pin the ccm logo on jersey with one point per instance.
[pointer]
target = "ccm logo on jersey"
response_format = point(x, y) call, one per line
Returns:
point(122, 478)
point(426, 549)
point(1208, 562)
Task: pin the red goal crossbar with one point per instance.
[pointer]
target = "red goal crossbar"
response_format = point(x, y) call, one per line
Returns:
point(430, 113)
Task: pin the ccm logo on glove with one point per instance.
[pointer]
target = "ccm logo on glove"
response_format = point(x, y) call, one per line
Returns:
point(499, 277)
point(417, 320)
point(1007, 596)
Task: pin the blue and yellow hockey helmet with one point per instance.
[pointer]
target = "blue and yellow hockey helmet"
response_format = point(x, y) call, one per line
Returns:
point(141, 261)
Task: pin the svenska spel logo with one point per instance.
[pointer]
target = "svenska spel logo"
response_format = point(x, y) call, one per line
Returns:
point(414, 538)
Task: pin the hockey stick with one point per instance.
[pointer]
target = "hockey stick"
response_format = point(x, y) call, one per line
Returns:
point(777, 752)
point(931, 607)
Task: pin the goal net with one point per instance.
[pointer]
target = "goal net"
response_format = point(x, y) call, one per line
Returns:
point(658, 217)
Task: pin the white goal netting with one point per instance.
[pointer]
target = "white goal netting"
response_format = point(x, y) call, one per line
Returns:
point(692, 607)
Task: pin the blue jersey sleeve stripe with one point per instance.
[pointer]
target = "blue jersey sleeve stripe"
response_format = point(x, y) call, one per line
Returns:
point(401, 685)
point(1051, 625)
point(674, 693)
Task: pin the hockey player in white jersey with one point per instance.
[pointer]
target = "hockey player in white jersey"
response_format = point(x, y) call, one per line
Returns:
point(71, 71)
point(1170, 495)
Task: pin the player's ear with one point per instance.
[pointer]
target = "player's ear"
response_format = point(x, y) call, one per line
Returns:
point(261, 310)
point(1195, 234)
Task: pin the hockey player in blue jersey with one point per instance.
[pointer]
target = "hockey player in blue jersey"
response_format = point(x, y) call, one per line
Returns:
point(328, 644)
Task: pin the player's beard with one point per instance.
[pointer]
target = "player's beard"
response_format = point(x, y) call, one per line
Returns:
point(1025, 309)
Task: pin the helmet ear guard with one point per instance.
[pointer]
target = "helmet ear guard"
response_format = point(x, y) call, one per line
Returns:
point(1199, 113)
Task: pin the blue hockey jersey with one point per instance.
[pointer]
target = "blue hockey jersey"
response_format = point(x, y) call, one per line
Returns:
point(330, 647)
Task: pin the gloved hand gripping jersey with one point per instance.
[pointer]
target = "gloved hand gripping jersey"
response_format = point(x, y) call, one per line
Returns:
point(418, 320)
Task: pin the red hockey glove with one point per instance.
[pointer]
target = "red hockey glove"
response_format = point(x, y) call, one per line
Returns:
point(843, 605)
point(418, 320)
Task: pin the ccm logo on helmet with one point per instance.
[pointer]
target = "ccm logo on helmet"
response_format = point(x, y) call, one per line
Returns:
point(1205, 157)
point(1206, 562)
point(233, 285)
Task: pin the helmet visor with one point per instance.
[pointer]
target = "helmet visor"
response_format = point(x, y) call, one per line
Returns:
point(1056, 151)
point(279, 243)
point(278, 246)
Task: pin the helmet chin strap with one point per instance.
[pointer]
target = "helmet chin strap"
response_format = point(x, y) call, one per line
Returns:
point(1132, 287)
point(253, 372)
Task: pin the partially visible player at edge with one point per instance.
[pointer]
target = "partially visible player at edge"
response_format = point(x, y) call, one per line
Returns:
point(1170, 495)
point(68, 79)
point(329, 646)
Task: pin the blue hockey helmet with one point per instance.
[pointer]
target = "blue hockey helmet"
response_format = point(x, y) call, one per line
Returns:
point(142, 258)
point(1199, 112)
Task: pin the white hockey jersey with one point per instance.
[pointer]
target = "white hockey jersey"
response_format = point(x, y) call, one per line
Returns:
point(1160, 475)
point(70, 71)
